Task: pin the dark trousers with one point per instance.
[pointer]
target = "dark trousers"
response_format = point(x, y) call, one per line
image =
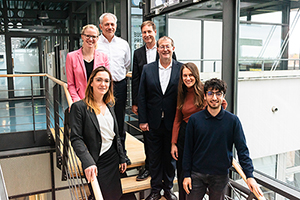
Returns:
point(146, 148)
point(180, 148)
point(120, 93)
point(215, 184)
point(162, 165)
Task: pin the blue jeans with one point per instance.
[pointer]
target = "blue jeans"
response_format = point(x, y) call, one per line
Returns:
point(215, 184)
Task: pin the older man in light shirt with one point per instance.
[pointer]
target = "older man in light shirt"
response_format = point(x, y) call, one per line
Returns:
point(118, 53)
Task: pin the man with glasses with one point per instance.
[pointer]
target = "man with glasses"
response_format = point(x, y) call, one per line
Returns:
point(144, 55)
point(118, 53)
point(207, 157)
point(157, 108)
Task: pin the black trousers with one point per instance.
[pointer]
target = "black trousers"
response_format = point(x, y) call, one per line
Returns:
point(146, 148)
point(162, 165)
point(215, 184)
point(120, 93)
point(180, 148)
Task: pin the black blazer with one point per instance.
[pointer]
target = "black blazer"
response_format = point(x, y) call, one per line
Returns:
point(86, 135)
point(139, 60)
point(151, 99)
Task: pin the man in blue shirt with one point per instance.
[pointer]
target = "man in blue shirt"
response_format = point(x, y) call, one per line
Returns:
point(210, 135)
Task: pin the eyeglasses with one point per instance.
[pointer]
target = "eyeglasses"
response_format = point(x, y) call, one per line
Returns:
point(211, 94)
point(91, 36)
point(101, 80)
point(165, 47)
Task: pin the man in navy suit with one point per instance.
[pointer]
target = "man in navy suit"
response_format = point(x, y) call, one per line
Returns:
point(144, 55)
point(157, 107)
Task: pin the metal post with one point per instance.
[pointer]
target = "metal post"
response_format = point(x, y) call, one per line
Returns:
point(284, 31)
point(214, 66)
point(52, 176)
point(146, 9)
point(124, 19)
point(32, 108)
point(56, 122)
point(47, 89)
point(202, 46)
point(263, 66)
point(231, 15)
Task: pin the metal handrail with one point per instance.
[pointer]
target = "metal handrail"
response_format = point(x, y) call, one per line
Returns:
point(59, 82)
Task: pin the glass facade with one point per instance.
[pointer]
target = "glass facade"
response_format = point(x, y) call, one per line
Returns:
point(3, 80)
point(268, 63)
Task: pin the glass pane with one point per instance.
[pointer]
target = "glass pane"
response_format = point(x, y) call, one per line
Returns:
point(186, 50)
point(160, 23)
point(136, 34)
point(25, 56)
point(3, 81)
point(259, 45)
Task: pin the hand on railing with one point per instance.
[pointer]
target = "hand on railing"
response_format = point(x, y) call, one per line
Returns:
point(90, 173)
point(250, 181)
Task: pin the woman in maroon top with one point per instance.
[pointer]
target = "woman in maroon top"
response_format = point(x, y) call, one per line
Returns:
point(190, 100)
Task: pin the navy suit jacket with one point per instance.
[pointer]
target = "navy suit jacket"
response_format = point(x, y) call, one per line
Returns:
point(152, 102)
point(139, 60)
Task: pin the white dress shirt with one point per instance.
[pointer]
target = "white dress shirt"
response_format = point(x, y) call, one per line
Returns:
point(106, 123)
point(151, 54)
point(164, 76)
point(118, 53)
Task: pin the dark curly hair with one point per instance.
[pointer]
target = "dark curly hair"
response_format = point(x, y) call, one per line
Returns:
point(215, 84)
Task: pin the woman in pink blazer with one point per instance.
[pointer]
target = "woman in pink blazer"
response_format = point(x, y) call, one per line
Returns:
point(81, 63)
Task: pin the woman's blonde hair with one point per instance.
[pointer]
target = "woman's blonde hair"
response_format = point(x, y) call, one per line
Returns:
point(92, 26)
point(108, 97)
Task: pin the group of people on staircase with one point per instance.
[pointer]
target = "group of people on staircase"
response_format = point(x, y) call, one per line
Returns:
point(184, 122)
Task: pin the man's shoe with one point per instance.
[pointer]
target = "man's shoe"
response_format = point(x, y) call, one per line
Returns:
point(143, 175)
point(169, 195)
point(154, 196)
point(127, 160)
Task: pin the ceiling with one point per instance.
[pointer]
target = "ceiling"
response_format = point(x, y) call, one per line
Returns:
point(26, 14)
point(213, 9)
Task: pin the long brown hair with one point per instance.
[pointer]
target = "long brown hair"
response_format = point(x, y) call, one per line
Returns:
point(198, 87)
point(108, 97)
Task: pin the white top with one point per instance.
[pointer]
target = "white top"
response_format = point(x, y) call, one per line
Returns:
point(164, 76)
point(151, 54)
point(106, 123)
point(118, 53)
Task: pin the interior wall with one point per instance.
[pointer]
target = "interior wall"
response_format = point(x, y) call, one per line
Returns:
point(32, 173)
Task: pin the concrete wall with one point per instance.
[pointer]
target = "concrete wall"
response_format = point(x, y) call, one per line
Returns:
point(30, 174)
point(268, 132)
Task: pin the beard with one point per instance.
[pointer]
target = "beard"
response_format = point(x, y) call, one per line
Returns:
point(215, 105)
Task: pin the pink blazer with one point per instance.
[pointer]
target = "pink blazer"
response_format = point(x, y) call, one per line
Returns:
point(76, 72)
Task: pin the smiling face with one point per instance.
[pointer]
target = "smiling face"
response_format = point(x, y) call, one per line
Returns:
point(165, 49)
point(108, 27)
point(148, 35)
point(101, 83)
point(214, 98)
point(89, 38)
point(188, 78)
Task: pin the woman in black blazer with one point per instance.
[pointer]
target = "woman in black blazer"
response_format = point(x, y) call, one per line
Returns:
point(94, 135)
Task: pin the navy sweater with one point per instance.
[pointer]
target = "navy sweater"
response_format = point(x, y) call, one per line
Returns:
point(209, 142)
